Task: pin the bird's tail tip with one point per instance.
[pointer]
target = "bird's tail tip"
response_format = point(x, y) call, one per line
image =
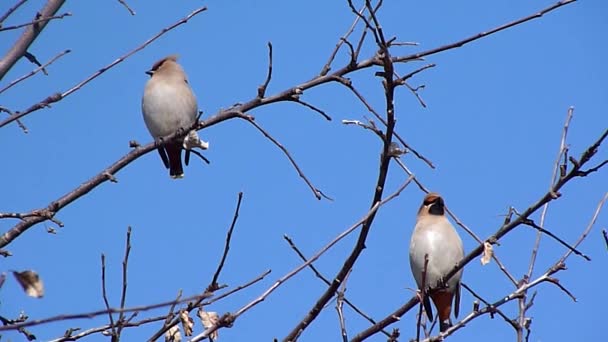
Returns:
point(177, 176)
point(445, 325)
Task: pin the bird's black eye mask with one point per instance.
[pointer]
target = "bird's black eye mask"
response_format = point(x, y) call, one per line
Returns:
point(155, 67)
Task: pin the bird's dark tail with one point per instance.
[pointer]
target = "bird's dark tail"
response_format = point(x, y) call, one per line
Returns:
point(174, 152)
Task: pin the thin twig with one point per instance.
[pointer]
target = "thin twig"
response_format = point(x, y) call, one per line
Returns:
point(122, 2)
point(483, 34)
point(402, 80)
point(106, 311)
point(214, 285)
point(339, 306)
point(123, 294)
point(19, 123)
point(415, 92)
point(36, 21)
point(344, 39)
point(105, 297)
point(422, 292)
point(589, 227)
point(11, 10)
point(499, 312)
point(318, 193)
point(264, 86)
point(531, 223)
point(33, 72)
point(236, 289)
point(563, 150)
point(348, 84)
point(199, 300)
point(327, 282)
point(368, 26)
point(98, 313)
point(104, 328)
point(313, 108)
point(171, 312)
point(369, 126)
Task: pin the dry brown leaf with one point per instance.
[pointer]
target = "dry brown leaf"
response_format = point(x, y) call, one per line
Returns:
point(173, 334)
point(30, 282)
point(208, 319)
point(487, 253)
point(187, 322)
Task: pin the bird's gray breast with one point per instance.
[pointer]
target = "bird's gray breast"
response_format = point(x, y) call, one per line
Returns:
point(168, 106)
point(444, 249)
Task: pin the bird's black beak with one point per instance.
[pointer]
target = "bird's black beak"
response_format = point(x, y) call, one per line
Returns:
point(150, 72)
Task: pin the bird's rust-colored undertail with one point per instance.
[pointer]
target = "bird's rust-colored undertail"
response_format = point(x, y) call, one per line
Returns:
point(443, 303)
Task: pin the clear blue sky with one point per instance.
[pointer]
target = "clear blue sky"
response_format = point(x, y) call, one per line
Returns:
point(492, 127)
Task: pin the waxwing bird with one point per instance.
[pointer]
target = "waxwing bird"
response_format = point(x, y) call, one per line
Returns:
point(168, 104)
point(435, 237)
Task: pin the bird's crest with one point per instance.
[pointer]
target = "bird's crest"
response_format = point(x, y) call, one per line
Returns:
point(432, 204)
point(157, 65)
point(431, 198)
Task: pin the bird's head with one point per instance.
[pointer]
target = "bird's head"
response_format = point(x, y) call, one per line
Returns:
point(165, 63)
point(432, 205)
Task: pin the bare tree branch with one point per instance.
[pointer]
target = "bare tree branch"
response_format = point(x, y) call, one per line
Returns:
point(327, 282)
point(483, 34)
point(59, 96)
point(123, 294)
point(70, 336)
point(214, 285)
point(228, 319)
point(33, 72)
point(318, 193)
point(563, 150)
point(20, 47)
point(264, 86)
point(105, 296)
point(35, 21)
point(124, 3)
point(11, 11)
point(92, 314)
